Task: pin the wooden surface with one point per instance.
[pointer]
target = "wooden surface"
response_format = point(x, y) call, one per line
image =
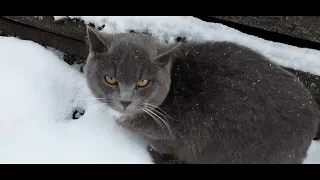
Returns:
point(67, 37)
point(304, 27)
point(72, 29)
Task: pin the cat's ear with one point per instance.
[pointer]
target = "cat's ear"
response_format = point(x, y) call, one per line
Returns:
point(95, 41)
point(165, 52)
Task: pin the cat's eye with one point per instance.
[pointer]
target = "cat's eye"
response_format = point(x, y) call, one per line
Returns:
point(143, 83)
point(111, 80)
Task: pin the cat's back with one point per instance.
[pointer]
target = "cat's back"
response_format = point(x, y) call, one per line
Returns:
point(243, 104)
point(226, 67)
point(232, 68)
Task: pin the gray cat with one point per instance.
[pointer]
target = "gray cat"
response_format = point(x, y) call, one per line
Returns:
point(203, 103)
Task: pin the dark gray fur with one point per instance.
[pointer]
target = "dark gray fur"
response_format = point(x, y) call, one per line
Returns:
point(224, 102)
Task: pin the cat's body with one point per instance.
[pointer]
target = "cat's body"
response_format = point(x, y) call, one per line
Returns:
point(224, 104)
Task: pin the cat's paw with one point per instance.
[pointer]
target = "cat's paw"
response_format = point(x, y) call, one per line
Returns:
point(159, 158)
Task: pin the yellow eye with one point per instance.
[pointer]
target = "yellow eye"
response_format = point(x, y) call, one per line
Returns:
point(111, 80)
point(143, 83)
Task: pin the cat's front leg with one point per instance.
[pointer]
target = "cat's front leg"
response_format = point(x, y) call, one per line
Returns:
point(162, 158)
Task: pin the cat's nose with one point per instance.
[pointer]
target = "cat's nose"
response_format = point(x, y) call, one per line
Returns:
point(125, 104)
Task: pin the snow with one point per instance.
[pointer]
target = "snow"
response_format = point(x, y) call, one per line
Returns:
point(40, 93)
point(39, 17)
point(170, 27)
point(313, 153)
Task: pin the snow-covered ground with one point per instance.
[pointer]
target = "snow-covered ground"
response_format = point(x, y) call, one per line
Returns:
point(40, 92)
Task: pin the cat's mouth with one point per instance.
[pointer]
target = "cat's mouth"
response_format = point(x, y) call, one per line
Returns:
point(128, 111)
point(133, 108)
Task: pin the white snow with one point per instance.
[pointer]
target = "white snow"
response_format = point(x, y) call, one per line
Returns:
point(313, 153)
point(39, 92)
point(170, 27)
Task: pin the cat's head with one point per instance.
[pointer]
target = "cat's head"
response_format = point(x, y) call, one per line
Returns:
point(129, 72)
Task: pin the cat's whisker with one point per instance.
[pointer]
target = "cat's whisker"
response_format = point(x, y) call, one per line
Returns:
point(147, 104)
point(152, 109)
point(92, 98)
point(161, 119)
point(103, 110)
point(153, 117)
point(98, 100)
point(155, 107)
point(156, 119)
point(159, 112)
point(101, 103)
point(94, 105)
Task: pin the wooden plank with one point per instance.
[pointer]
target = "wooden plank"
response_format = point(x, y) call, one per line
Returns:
point(70, 46)
point(74, 29)
point(304, 27)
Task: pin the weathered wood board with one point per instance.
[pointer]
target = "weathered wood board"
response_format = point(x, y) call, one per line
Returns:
point(47, 33)
point(304, 27)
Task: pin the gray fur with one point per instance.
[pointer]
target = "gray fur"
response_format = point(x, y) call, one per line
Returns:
point(223, 103)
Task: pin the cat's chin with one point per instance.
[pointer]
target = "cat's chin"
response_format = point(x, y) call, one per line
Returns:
point(118, 114)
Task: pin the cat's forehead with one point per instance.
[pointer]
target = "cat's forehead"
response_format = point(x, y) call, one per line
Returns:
point(130, 53)
point(134, 64)
point(131, 61)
